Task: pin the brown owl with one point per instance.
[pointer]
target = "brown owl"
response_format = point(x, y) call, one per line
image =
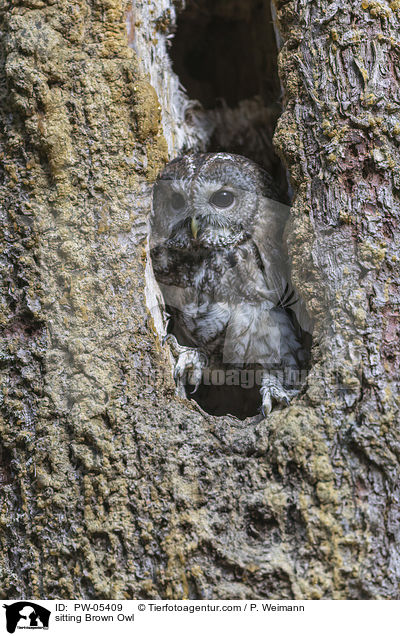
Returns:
point(216, 249)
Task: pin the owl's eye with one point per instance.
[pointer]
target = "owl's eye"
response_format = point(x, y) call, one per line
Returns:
point(177, 201)
point(222, 199)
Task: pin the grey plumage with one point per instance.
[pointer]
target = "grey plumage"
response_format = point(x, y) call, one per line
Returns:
point(216, 235)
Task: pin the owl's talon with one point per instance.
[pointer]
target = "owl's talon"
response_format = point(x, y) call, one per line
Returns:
point(272, 390)
point(266, 406)
point(189, 365)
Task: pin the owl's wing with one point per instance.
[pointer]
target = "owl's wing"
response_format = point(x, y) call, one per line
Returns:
point(267, 237)
point(257, 334)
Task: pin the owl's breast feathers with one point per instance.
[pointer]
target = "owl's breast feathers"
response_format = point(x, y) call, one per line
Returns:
point(234, 274)
point(225, 299)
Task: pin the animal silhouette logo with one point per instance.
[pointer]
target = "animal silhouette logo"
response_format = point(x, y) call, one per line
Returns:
point(26, 615)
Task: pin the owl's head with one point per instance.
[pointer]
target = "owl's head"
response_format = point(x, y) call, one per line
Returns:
point(209, 200)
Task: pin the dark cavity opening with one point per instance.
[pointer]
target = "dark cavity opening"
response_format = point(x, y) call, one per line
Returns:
point(226, 49)
point(225, 55)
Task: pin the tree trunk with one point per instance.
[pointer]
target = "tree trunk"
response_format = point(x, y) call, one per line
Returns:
point(111, 485)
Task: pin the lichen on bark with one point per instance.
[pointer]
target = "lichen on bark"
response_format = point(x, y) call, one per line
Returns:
point(111, 486)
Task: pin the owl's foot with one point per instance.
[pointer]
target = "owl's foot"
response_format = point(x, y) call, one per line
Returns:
point(189, 365)
point(273, 391)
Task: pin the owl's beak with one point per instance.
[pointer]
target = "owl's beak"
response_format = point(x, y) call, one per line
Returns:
point(194, 226)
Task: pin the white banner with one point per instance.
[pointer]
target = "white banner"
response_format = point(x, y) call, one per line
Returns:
point(173, 618)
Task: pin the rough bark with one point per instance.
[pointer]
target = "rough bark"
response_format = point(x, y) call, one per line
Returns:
point(111, 486)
